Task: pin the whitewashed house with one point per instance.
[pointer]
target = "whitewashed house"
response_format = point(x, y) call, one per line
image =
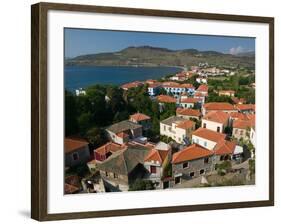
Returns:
point(177, 128)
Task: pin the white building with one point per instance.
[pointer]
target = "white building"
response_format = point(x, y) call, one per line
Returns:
point(177, 128)
point(80, 92)
point(188, 102)
point(153, 89)
point(215, 121)
point(207, 138)
point(201, 80)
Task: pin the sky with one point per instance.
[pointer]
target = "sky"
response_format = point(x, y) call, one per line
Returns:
point(91, 41)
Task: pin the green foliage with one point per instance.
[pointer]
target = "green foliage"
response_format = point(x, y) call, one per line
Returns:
point(167, 172)
point(169, 110)
point(214, 97)
point(223, 167)
point(96, 136)
point(140, 185)
point(165, 139)
point(71, 125)
point(198, 123)
point(81, 170)
point(228, 130)
point(252, 167)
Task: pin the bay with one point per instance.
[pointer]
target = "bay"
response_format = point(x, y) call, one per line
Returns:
point(83, 76)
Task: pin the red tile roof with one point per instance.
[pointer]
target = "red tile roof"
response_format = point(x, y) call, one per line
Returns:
point(243, 124)
point(186, 124)
point(219, 106)
point(132, 85)
point(71, 145)
point(199, 94)
point(224, 147)
point(109, 147)
point(157, 155)
point(188, 112)
point(154, 85)
point(190, 100)
point(202, 88)
point(209, 134)
point(217, 116)
point(191, 153)
point(139, 117)
point(246, 106)
point(187, 85)
point(238, 115)
point(70, 189)
point(122, 135)
point(166, 99)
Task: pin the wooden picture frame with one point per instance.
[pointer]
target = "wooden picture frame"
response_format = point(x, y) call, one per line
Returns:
point(39, 108)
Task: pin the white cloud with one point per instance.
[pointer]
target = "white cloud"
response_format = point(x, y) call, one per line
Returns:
point(236, 50)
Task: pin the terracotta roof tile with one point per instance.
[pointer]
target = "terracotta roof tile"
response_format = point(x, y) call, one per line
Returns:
point(188, 112)
point(243, 124)
point(202, 88)
point(70, 189)
point(186, 124)
point(219, 106)
point(132, 85)
point(166, 99)
point(157, 155)
point(224, 147)
point(190, 100)
point(217, 116)
point(109, 147)
point(191, 153)
point(122, 135)
point(71, 145)
point(209, 134)
point(139, 117)
point(245, 106)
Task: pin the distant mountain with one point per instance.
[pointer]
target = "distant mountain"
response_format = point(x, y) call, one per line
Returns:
point(155, 56)
point(246, 54)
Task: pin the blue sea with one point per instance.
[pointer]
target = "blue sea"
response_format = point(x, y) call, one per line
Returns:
point(83, 76)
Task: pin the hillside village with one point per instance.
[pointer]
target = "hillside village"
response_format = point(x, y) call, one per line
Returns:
point(184, 130)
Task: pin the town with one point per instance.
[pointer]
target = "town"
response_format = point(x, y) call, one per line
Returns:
point(195, 128)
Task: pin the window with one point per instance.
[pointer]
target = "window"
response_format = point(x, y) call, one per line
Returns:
point(204, 125)
point(206, 160)
point(241, 132)
point(236, 131)
point(164, 127)
point(177, 180)
point(185, 165)
point(152, 169)
point(115, 175)
point(202, 171)
point(205, 144)
point(191, 174)
point(218, 129)
point(106, 174)
point(75, 156)
point(179, 139)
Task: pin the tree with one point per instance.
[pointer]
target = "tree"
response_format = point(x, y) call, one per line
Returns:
point(70, 114)
point(252, 167)
point(84, 122)
point(96, 136)
point(223, 168)
point(140, 185)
